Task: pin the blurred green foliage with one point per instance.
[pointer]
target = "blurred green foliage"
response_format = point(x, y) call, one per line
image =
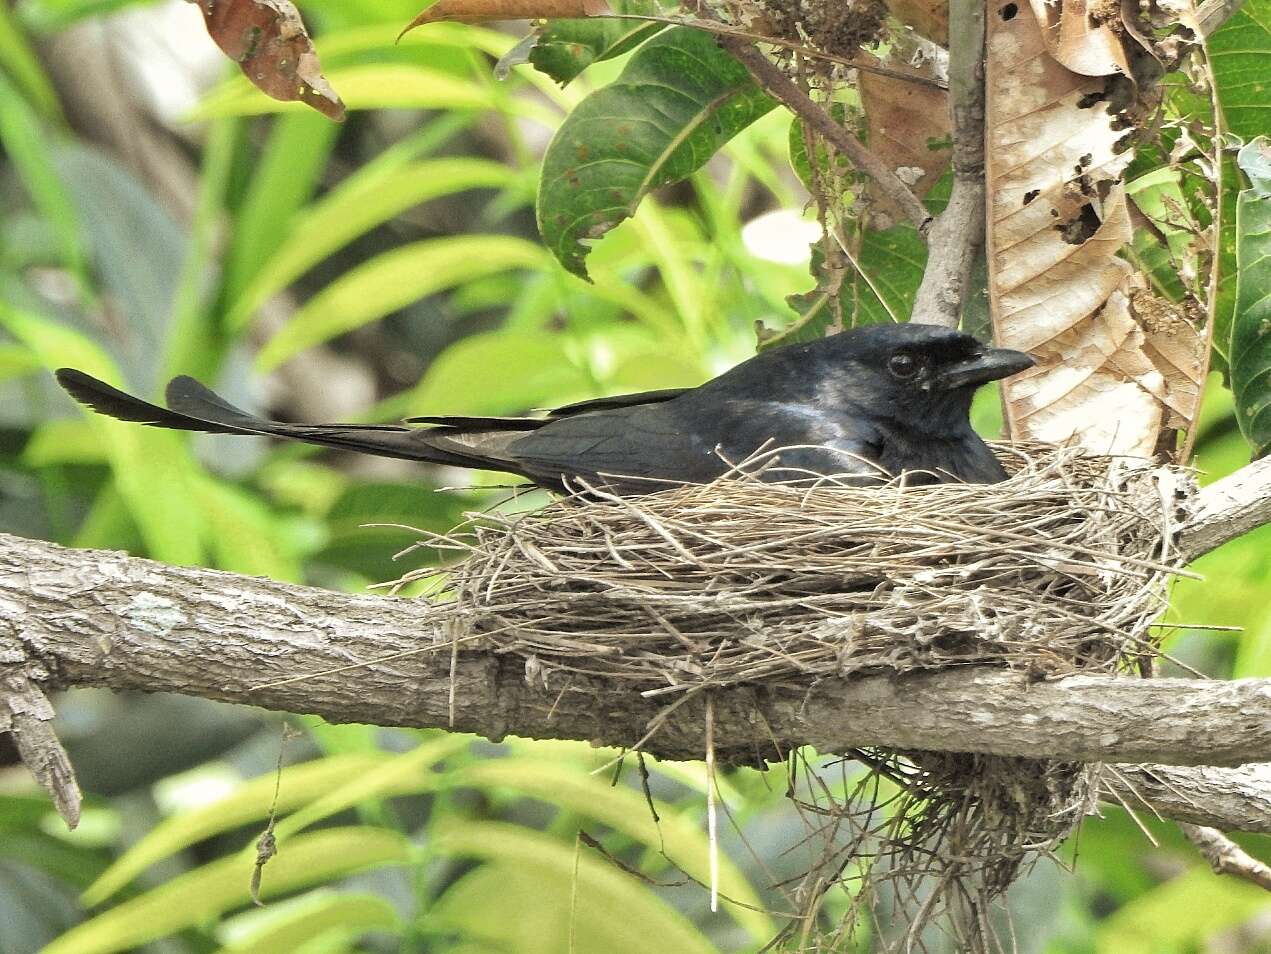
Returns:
point(397, 259)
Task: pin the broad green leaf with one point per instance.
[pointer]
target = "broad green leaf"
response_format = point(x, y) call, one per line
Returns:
point(287, 926)
point(152, 468)
point(534, 880)
point(249, 802)
point(1180, 914)
point(1251, 324)
point(16, 362)
point(283, 179)
point(497, 372)
point(564, 48)
point(1238, 54)
point(681, 836)
point(678, 100)
point(223, 885)
point(392, 281)
point(353, 208)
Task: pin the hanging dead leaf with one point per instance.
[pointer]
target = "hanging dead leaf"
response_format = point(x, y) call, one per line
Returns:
point(907, 123)
point(483, 11)
point(1081, 35)
point(929, 18)
point(267, 39)
point(1115, 371)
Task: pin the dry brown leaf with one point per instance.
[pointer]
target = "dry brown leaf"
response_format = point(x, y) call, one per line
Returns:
point(1116, 367)
point(1078, 33)
point(929, 18)
point(483, 11)
point(904, 120)
point(267, 39)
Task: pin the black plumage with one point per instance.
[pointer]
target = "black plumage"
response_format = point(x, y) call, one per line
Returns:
point(871, 402)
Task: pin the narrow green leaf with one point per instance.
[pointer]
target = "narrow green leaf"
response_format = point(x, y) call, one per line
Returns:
point(16, 362)
point(283, 179)
point(536, 880)
point(370, 86)
point(497, 372)
point(152, 468)
point(223, 885)
point(25, 142)
point(678, 100)
point(248, 802)
point(680, 836)
point(410, 769)
point(287, 926)
point(1251, 324)
point(19, 61)
point(246, 538)
point(353, 208)
point(392, 281)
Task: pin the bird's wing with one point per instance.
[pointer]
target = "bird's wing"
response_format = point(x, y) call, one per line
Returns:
point(688, 441)
point(618, 400)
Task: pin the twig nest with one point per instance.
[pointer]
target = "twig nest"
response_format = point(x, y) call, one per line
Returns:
point(1061, 568)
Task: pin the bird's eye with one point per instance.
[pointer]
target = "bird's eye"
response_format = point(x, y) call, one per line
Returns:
point(903, 366)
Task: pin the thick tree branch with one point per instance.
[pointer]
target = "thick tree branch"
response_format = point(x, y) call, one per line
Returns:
point(1240, 796)
point(95, 618)
point(768, 75)
point(957, 235)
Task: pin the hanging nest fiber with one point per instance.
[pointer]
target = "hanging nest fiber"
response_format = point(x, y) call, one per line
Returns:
point(1060, 569)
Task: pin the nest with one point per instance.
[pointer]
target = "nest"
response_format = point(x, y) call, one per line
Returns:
point(1062, 568)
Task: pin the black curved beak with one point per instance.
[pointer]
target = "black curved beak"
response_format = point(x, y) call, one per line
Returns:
point(991, 364)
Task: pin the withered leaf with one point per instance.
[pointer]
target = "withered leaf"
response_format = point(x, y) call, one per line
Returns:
point(482, 11)
point(268, 40)
point(929, 18)
point(1116, 366)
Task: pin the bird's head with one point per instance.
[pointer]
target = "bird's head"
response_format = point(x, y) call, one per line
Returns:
point(924, 375)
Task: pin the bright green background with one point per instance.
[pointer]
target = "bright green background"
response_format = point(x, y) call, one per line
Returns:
point(389, 267)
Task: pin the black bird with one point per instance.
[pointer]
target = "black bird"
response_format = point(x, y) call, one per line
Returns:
point(871, 402)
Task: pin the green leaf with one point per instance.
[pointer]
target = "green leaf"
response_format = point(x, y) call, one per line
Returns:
point(678, 100)
point(287, 926)
point(497, 372)
point(1238, 54)
point(152, 468)
point(31, 155)
point(223, 885)
point(19, 61)
point(249, 802)
point(246, 534)
point(547, 892)
point(361, 202)
point(1181, 914)
point(679, 835)
point(564, 48)
point(392, 281)
point(1251, 325)
point(283, 178)
point(369, 86)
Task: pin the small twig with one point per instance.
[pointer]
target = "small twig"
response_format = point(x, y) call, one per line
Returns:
point(1225, 856)
point(776, 83)
point(25, 713)
point(957, 235)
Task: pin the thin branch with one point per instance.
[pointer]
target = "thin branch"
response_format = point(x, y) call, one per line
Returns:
point(1227, 509)
point(957, 235)
point(95, 618)
point(1226, 857)
point(780, 86)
